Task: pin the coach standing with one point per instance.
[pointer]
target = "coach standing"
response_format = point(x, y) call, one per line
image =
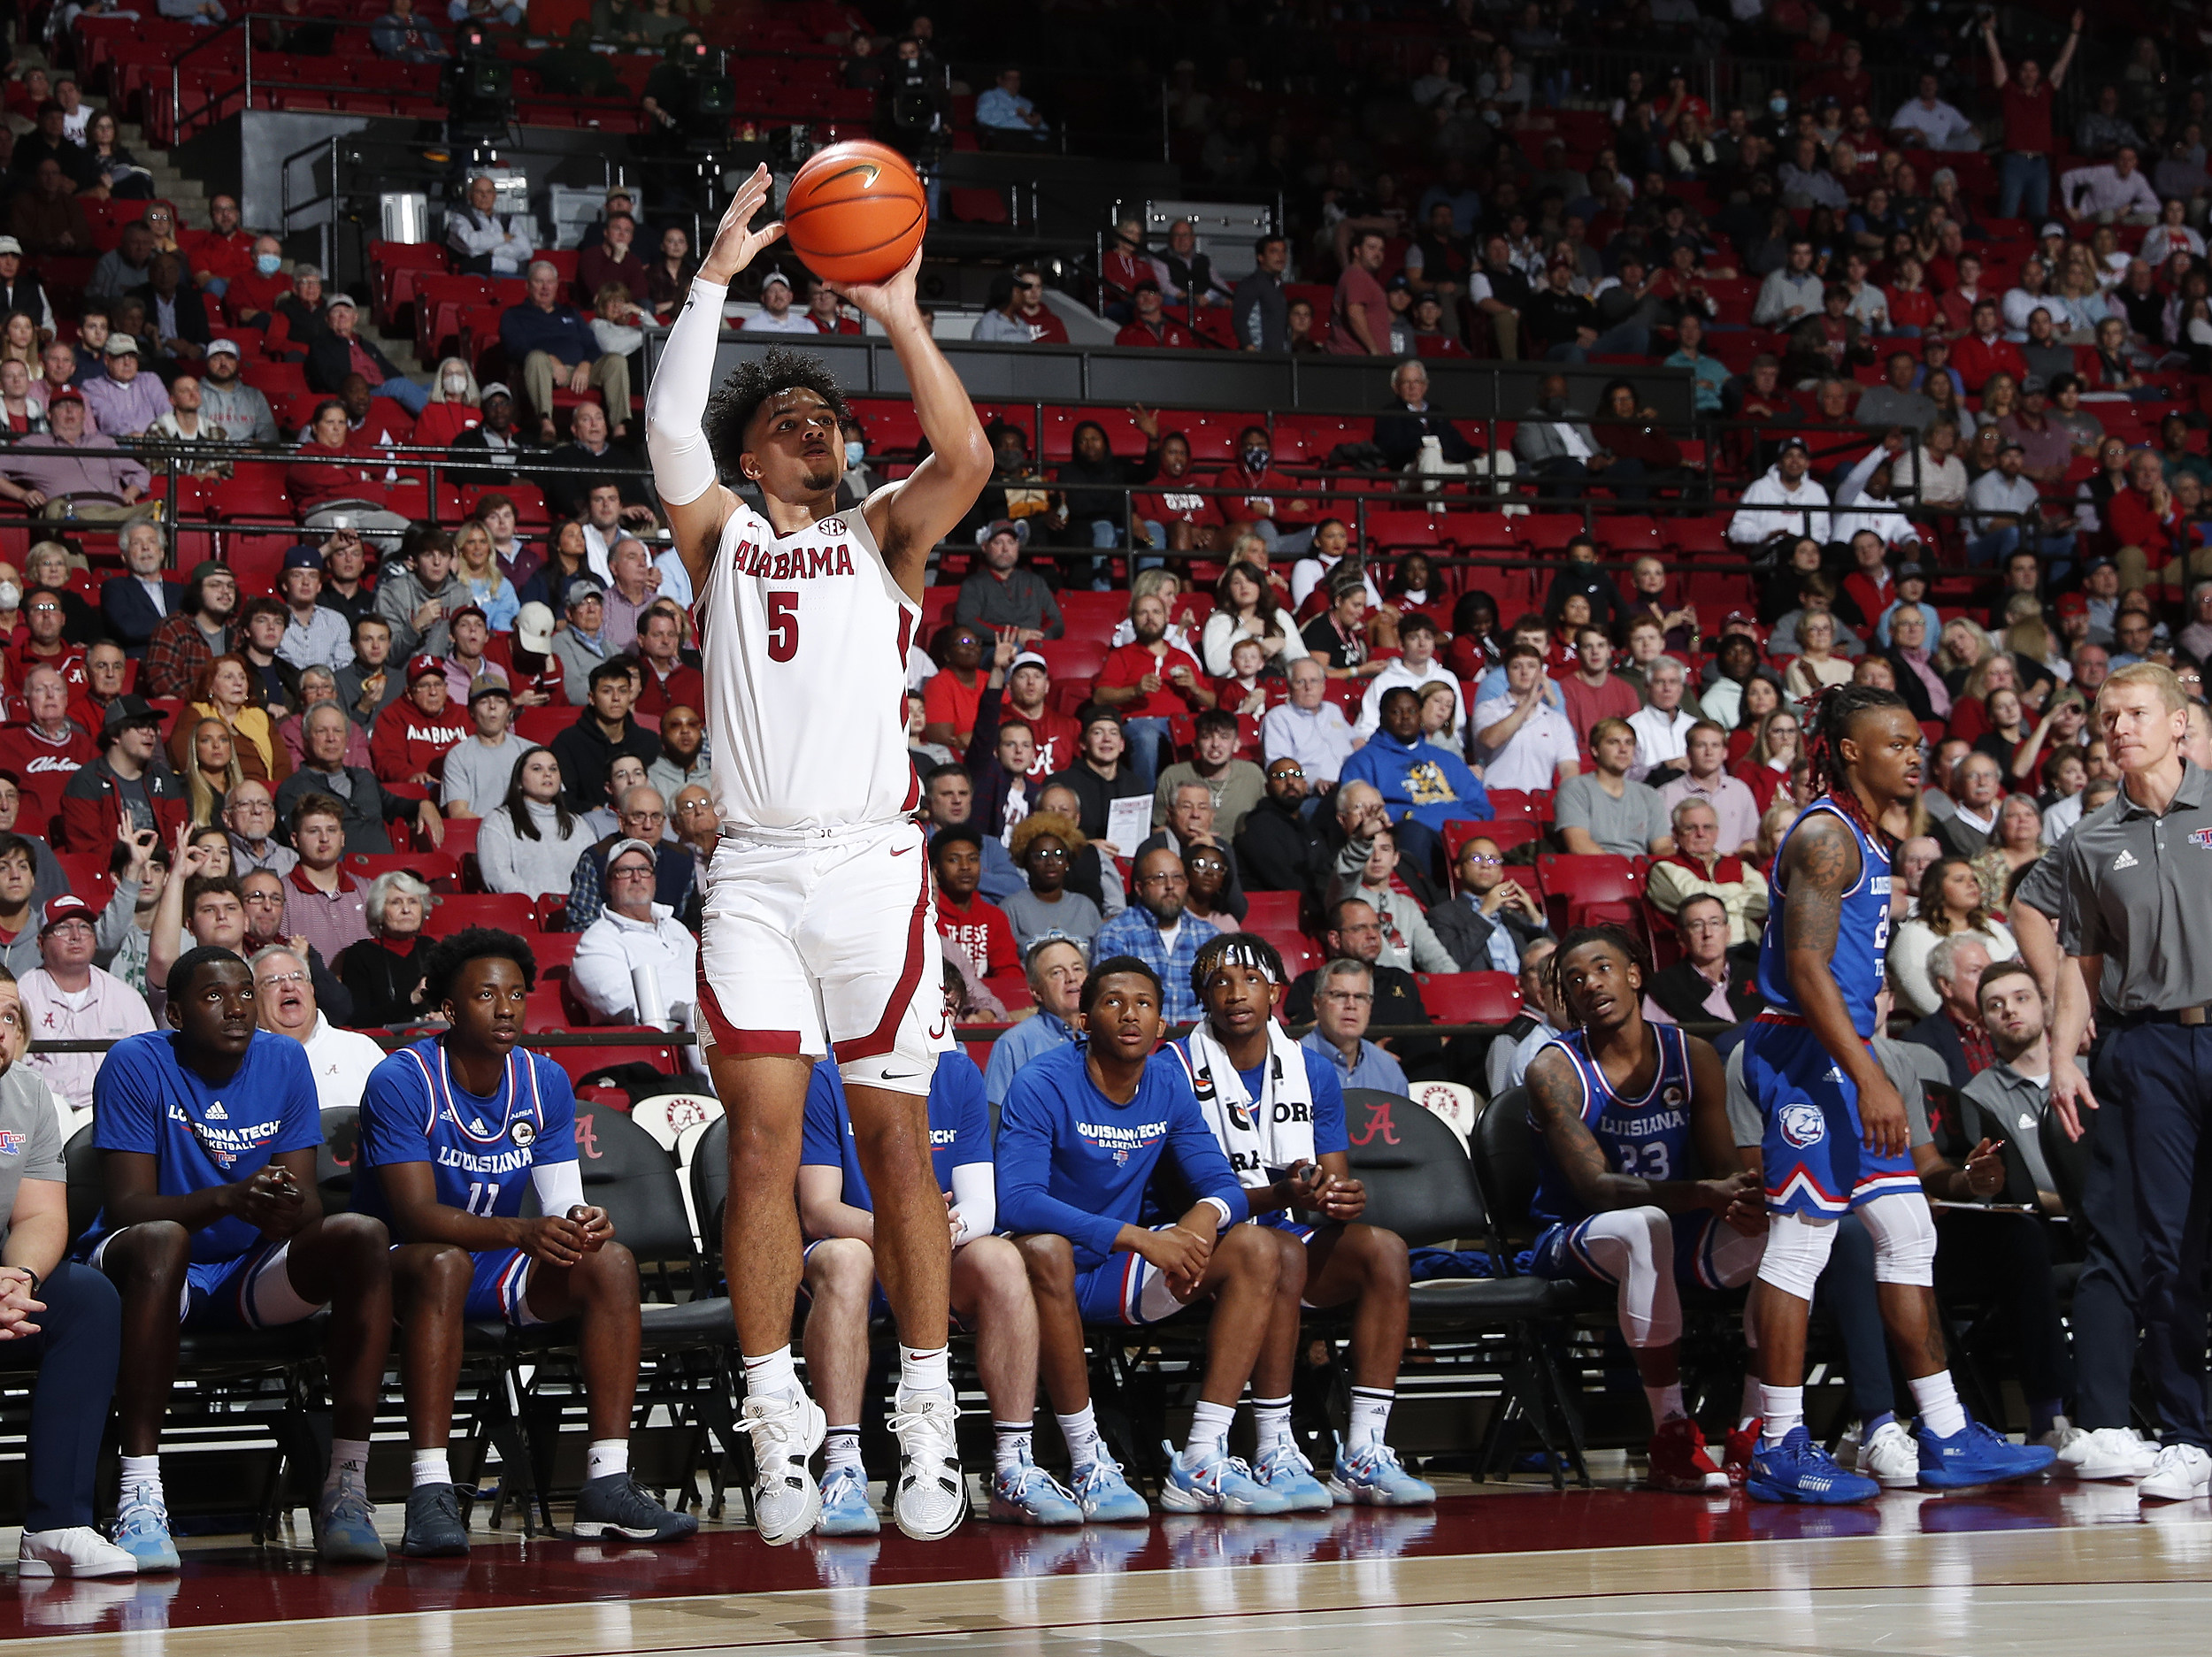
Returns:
point(2137, 930)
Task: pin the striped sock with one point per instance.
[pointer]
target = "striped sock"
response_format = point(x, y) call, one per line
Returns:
point(1370, 1416)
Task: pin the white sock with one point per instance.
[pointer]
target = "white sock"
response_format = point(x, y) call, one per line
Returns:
point(1370, 1416)
point(1936, 1401)
point(840, 1447)
point(1209, 1427)
point(924, 1371)
point(1080, 1431)
point(144, 1470)
point(1781, 1410)
point(1270, 1417)
point(1747, 1410)
point(348, 1455)
point(606, 1455)
point(430, 1468)
point(1666, 1402)
point(771, 1373)
point(1012, 1447)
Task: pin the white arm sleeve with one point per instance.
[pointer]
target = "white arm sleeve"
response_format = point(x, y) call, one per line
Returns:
point(559, 1186)
point(975, 1193)
point(683, 465)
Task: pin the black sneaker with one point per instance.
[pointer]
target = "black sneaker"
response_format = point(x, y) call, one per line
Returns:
point(615, 1507)
point(435, 1530)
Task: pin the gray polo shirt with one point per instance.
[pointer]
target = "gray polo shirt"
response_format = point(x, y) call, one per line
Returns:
point(2013, 1106)
point(2138, 892)
point(1626, 826)
point(2043, 888)
point(30, 1136)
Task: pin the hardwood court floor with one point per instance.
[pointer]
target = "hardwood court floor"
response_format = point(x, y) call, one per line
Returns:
point(2056, 1568)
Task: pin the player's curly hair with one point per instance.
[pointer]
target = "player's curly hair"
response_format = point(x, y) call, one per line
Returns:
point(449, 955)
point(1613, 936)
point(731, 408)
point(1827, 720)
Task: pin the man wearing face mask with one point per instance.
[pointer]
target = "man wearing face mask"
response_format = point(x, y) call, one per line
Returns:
point(229, 401)
point(252, 296)
point(1267, 506)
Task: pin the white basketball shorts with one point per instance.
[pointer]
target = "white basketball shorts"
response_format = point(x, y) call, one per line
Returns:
point(810, 942)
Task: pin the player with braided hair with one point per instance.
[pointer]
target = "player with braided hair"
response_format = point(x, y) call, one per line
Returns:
point(1637, 1178)
point(1836, 1133)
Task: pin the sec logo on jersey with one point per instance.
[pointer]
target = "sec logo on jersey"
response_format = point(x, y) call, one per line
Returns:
point(1802, 1124)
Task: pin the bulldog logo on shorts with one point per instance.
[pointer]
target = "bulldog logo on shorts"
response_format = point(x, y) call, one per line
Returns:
point(1802, 1124)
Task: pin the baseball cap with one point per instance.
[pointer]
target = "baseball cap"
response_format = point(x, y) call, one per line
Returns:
point(2072, 604)
point(336, 300)
point(497, 388)
point(476, 610)
point(1029, 658)
point(304, 558)
point(128, 709)
point(2011, 444)
point(1797, 444)
point(121, 345)
point(2053, 228)
point(67, 394)
point(422, 666)
point(2034, 383)
point(621, 847)
point(484, 685)
point(776, 276)
point(1002, 527)
point(67, 906)
point(586, 586)
point(9, 244)
point(534, 627)
point(215, 348)
point(1911, 572)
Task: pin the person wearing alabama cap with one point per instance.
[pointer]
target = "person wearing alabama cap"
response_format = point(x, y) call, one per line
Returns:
point(66, 998)
point(413, 735)
point(536, 674)
point(775, 315)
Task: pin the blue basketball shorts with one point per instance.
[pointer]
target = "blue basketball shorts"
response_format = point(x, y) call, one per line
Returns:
point(1814, 1153)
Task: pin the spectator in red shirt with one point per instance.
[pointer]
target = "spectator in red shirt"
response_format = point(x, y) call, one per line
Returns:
point(1285, 524)
point(1044, 325)
point(250, 299)
point(1177, 517)
point(2145, 521)
point(220, 255)
point(1152, 325)
point(949, 698)
point(1986, 351)
point(611, 259)
point(310, 481)
point(976, 927)
point(1359, 316)
point(825, 310)
point(1956, 309)
point(2025, 169)
point(1592, 692)
point(1057, 736)
point(668, 683)
point(414, 735)
point(1150, 682)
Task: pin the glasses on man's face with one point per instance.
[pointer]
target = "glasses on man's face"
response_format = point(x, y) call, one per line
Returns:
point(277, 980)
point(1050, 853)
point(1475, 860)
point(1172, 878)
point(1294, 771)
point(1348, 998)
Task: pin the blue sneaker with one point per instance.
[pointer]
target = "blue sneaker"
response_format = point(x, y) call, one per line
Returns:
point(1371, 1476)
point(1026, 1494)
point(345, 1524)
point(1976, 1454)
point(1798, 1469)
point(1216, 1482)
point(142, 1527)
point(845, 1509)
point(1104, 1495)
point(1290, 1476)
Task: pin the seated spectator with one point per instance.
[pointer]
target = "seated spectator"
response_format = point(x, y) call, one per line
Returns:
point(551, 340)
point(1157, 930)
point(1011, 601)
point(1153, 682)
point(1337, 638)
point(1601, 811)
point(126, 266)
point(1558, 447)
point(47, 219)
point(228, 404)
point(384, 971)
point(223, 692)
point(289, 1001)
point(1529, 1031)
point(604, 727)
point(338, 352)
point(1523, 741)
point(364, 804)
point(976, 927)
point(775, 315)
point(312, 480)
point(1697, 867)
point(1766, 765)
point(1246, 609)
point(1279, 847)
point(1151, 326)
point(416, 599)
point(1977, 793)
point(1044, 845)
point(1953, 906)
point(1006, 118)
point(413, 735)
point(1710, 983)
point(250, 815)
point(1984, 350)
point(641, 814)
point(1423, 786)
point(1705, 778)
point(1416, 668)
point(1309, 728)
point(1343, 1006)
point(401, 37)
point(66, 998)
point(1783, 504)
point(1493, 918)
point(1953, 1029)
point(611, 259)
point(530, 843)
point(1368, 869)
point(2116, 192)
point(1234, 786)
point(633, 932)
point(1190, 824)
point(324, 907)
point(479, 771)
point(454, 404)
point(42, 472)
point(175, 313)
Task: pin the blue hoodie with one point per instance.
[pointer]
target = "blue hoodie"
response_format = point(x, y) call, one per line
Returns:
point(1420, 780)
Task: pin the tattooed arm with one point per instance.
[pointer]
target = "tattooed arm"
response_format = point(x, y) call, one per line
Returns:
point(1819, 864)
point(1554, 1097)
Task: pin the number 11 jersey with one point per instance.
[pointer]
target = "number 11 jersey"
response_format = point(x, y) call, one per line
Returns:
point(803, 639)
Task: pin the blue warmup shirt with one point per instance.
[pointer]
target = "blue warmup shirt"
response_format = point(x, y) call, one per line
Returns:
point(959, 1125)
point(146, 1100)
point(1073, 1163)
point(480, 1150)
point(1862, 934)
point(1648, 1136)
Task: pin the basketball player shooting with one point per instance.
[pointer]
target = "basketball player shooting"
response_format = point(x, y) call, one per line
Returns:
point(819, 931)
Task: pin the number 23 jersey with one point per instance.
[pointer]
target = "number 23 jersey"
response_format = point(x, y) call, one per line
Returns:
point(803, 639)
point(1648, 1136)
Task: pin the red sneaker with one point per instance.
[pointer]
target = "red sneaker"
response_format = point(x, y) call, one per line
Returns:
point(1743, 1443)
point(1680, 1462)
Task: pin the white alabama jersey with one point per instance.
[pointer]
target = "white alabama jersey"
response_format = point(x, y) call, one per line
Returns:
point(803, 639)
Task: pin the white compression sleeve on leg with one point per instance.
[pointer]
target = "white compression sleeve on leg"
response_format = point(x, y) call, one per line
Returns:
point(1904, 1235)
point(1635, 1247)
point(1796, 1253)
point(683, 463)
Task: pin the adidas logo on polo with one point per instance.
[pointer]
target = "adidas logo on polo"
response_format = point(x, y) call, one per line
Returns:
point(2126, 860)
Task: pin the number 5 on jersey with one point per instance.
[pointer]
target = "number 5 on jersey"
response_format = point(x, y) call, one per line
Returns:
point(783, 626)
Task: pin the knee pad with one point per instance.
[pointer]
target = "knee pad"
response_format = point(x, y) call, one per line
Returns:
point(1735, 1256)
point(1904, 1235)
point(1796, 1253)
point(1635, 1247)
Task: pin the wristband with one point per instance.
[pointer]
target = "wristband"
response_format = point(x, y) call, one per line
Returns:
point(1222, 1209)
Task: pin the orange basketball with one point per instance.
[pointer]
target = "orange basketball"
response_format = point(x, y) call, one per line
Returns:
point(856, 213)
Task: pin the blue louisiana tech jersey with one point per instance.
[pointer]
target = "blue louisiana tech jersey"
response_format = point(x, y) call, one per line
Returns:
point(959, 1125)
point(1648, 1137)
point(480, 1150)
point(1861, 936)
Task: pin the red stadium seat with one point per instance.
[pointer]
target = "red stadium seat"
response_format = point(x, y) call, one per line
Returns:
point(580, 1062)
point(1532, 805)
point(1591, 886)
point(1271, 912)
point(440, 870)
point(511, 911)
point(1470, 998)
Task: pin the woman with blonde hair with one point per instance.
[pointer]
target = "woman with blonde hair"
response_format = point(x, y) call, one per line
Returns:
point(455, 406)
point(19, 341)
point(2081, 295)
point(2017, 842)
point(1817, 665)
point(1185, 626)
point(210, 770)
point(224, 692)
point(1962, 648)
point(1970, 703)
point(2000, 397)
point(617, 323)
point(385, 969)
point(476, 565)
point(1952, 903)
